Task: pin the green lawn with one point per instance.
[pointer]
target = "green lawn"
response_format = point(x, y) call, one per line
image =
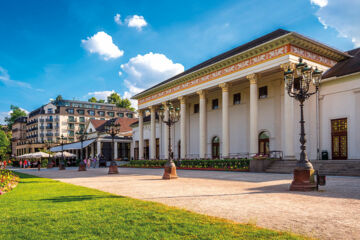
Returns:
point(40, 208)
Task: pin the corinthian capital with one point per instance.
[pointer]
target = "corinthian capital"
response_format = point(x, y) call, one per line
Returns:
point(224, 87)
point(285, 66)
point(252, 78)
point(201, 94)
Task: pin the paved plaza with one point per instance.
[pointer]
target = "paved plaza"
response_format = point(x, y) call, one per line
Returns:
point(258, 198)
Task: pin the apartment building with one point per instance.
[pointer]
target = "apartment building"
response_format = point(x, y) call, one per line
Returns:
point(46, 124)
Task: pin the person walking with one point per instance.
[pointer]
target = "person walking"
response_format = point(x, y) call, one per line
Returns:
point(25, 163)
point(38, 164)
point(88, 162)
point(20, 163)
point(94, 162)
point(85, 162)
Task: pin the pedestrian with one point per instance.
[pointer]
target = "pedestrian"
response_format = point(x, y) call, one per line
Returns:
point(5, 164)
point(88, 162)
point(94, 162)
point(38, 164)
point(25, 163)
point(85, 162)
point(20, 163)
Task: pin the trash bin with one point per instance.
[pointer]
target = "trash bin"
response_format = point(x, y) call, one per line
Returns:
point(324, 155)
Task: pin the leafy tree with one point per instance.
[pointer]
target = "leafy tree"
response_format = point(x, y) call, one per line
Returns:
point(101, 101)
point(15, 113)
point(114, 98)
point(4, 144)
point(59, 98)
point(93, 99)
point(125, 103)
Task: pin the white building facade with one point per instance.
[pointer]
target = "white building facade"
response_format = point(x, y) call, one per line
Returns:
point(235, 105)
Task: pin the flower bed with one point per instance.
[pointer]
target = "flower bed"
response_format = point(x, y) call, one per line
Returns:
point(8, 180)
point(196, 164)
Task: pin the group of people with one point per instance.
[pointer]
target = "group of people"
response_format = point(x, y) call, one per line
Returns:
point(24, 164)
point(90, 162)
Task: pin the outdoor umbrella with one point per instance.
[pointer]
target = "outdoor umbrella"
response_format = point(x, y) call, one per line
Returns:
point(39, 155)
point(66, 155)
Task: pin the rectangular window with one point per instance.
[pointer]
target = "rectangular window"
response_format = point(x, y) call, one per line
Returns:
point(215, 103)
point(91, 113)
point(263, 92)
point(88, 105)
point(111, 114)
point(196, 108)
point(102, 118)
point(71, 119)
point(81, 119)
point(50, 110)
point(237, 98)
point(81, 111)
point(82, 126)
point(129, 115)
point(101, 113)
point(70, 110)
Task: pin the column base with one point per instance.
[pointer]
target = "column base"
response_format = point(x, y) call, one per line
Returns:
point(170, 171)
point(113, 168)
point(303, 180)
point(82, 167)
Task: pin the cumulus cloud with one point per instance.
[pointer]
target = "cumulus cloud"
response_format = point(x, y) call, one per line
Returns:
point(136, 21)
point(342, 15)
point(117, 19)
point(102, 44)
point(3, 115)
point(100, 94)
point(144, 71)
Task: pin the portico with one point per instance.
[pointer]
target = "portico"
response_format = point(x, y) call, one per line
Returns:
point(233, 100)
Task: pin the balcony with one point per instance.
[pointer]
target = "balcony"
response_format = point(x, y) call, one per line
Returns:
point(49, 120)
point(57, 119)
point(42, 135)
point(42, 127)
point(56, 127)
point(70, 127)
point(49, 134)
point(32, 122)
point(49, 127)
point(72, 120)
point(41, 120)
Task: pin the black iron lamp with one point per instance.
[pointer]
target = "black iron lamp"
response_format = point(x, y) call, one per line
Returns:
point(82, 136)
point(112, 128)
point(297, 84)
point(172, 118)
point(62, 162)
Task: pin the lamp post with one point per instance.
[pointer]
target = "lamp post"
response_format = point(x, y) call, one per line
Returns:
point(112, 128)
point(82, 135)
point(297, 84)
point(173, 117)
point(62, 162)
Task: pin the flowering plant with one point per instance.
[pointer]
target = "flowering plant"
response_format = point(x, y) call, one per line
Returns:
point(8, 180)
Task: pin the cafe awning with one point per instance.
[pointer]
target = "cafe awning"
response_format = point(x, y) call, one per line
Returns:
point(72, 146)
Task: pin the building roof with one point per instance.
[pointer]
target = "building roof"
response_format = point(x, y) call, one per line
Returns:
point(125, 124)
point(242, 48)
point(345, 67)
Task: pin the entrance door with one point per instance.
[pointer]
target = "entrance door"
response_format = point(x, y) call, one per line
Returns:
point(264, 143)
point(215, 148)
point(339, 138)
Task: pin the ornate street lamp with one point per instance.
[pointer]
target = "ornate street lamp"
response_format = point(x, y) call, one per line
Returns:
point(82, 135)
point(112, 128)
point(172, 118)
point(297, 84)
point(62, 162)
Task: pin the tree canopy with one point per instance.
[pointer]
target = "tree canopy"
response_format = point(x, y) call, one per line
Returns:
point(114, 98)
point(15, 113)
point(4, 144)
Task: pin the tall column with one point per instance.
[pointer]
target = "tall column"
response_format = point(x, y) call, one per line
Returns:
point(115, 150)
point(152, 133)
point(225, 120)
point(202, 123)
point(141, 135)
point(92, 150)
point(253, 114)
point(166, 132)
point(98, 147)
point(288, 120)
point(86, 153)
point(182, 127)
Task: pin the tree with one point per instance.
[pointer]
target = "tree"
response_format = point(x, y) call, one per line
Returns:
point(59, 98)
point(101, 101)
point(16, 112)
point(114, 98)
point(4, 144)
point(93, 99)
point(125, 103)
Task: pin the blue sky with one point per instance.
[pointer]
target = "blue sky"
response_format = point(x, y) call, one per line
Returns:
point(81, 49)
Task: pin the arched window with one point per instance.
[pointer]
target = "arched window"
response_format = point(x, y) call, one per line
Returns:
point(215, 147)
point(264, 148)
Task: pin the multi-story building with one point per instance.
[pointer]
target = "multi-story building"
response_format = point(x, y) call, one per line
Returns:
point(18, 136)
point(49, 122)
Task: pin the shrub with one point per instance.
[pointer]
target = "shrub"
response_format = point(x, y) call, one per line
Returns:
point(196, 163)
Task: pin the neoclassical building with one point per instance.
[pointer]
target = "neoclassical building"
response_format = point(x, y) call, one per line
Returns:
point(235, 104)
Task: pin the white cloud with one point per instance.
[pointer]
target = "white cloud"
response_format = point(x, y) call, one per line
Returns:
point(100, 94)
point(120, 73)
point(136, 21)
point(3, 115)
point(320, 3)
point(144, 71)
point(6, 80)
point(102, 44)
point(342, 15)
point(117, 19)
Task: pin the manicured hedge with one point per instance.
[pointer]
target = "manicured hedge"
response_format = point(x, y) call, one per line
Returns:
point(7, 180)
point(196, 163)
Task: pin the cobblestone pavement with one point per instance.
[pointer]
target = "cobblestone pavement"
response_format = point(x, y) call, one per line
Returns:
point(259, 198)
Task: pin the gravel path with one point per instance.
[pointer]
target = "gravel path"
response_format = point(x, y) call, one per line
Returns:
point(259, 198)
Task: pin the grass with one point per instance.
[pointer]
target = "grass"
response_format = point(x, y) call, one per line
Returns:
point(40, 208)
